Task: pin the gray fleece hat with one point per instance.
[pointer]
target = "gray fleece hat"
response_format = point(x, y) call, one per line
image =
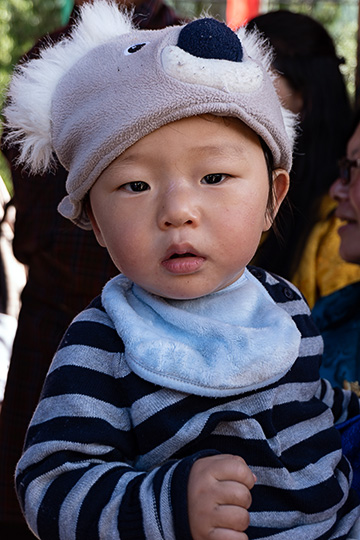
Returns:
point(92, 95)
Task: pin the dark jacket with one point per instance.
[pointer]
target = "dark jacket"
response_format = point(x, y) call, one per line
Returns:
point(337, 317)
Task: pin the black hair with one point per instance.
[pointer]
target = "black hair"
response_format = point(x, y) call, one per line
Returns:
point(305, 55)
point(269, 161)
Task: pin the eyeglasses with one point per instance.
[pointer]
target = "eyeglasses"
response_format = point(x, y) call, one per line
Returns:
point(345, 167)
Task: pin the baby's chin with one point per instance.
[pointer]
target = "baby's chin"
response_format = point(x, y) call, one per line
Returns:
point(184, 295)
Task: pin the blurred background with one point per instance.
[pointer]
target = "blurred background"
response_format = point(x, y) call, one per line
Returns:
point(23, 21)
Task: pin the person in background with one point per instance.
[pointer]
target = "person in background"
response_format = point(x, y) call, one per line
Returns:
point(337, 315)
point(305, 250)
point(185, 401)
point(67, 268)
point(12, 281)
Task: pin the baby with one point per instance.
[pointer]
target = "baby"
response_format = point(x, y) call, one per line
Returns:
point(185, 402)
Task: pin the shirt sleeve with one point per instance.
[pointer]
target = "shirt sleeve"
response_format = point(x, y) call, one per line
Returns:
point(79, 473)
point(343, 403)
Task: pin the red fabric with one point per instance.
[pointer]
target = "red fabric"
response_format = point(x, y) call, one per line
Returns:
point(239, 12)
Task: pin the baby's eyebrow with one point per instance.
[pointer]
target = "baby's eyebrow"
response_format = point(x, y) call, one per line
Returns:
point(221, 150)
point(202, 150)
point(127, 157)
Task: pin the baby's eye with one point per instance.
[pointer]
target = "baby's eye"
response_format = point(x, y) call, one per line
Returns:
point(213, 178)
point(135, 187)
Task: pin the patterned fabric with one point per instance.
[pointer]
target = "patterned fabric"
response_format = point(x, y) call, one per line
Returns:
point(108, 444)
point(322, 271)
point(67, 269)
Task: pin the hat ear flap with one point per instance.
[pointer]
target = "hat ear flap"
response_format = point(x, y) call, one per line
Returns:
point(29, 98)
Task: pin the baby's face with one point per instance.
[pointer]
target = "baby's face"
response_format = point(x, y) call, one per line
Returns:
point(181, 211)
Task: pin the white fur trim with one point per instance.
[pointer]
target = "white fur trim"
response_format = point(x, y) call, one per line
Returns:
point(244, 77)
point(259, 49)
point(33, 84)
point(291, 121)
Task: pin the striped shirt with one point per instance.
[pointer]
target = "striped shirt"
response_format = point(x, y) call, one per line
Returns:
point(108, 453)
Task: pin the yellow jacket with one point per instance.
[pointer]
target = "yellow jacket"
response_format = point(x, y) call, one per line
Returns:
point(322, 270)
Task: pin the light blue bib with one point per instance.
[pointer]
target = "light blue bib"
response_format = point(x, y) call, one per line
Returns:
point(226, 343)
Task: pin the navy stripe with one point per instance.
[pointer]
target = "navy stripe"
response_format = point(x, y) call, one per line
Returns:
point(97, 498)
point(43, 467)
point(337, 407)
point(82, 430)
point(176, 416)
point(273, 499)
point(305, 325)
point(287, 414)
point(311, 449)
point(70, 379)
point(92, 334)
point(130, 524)
point(48, 515)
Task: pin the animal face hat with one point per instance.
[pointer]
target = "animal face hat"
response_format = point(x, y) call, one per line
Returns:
point(91, 96)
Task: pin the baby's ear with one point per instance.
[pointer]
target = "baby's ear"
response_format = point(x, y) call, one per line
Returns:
point(280, 187)
point(94, 224)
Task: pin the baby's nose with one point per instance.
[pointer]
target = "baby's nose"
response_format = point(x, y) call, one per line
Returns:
point(178, 208)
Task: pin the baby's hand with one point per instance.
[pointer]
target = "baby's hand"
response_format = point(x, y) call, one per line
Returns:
point(219, 497)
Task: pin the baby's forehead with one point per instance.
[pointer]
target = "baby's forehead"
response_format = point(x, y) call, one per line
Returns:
point(203, 136)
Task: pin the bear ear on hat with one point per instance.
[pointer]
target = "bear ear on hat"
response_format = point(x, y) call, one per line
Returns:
point(29, 97)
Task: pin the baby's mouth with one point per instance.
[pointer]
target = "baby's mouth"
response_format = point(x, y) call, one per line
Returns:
point(182, 255)
point(183, 262)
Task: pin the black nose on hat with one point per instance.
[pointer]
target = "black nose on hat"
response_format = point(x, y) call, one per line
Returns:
point(209, 38)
